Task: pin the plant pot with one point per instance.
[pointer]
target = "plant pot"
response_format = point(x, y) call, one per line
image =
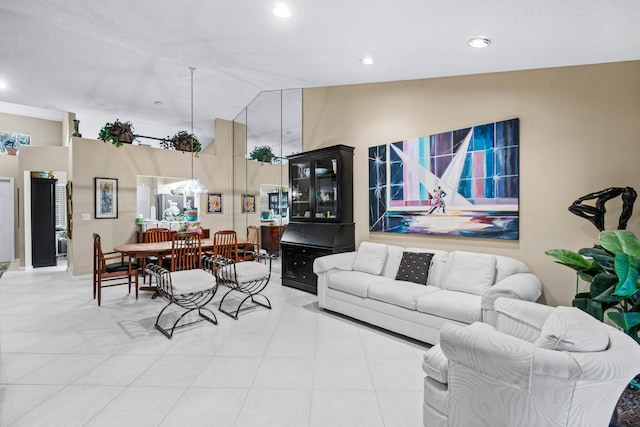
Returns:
point(184, 146)
point(11, 151)
point(125, 138)
point(627, 412)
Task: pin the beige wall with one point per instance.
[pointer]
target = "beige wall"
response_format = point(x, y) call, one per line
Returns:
point(579, 133)
point(42, 132)
point(89, 158)
point(93, 158)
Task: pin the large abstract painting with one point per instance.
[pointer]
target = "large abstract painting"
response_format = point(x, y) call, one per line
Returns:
point(459, 183)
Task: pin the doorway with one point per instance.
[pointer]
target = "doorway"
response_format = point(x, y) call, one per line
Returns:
point(7, 237)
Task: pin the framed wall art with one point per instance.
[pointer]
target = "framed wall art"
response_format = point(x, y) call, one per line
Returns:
point(248, 203)
point(214, 203)
point(462, 183)
point(106, 197)
point(10, 142)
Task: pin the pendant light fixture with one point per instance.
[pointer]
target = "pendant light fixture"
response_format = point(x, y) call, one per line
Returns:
point(192, 187)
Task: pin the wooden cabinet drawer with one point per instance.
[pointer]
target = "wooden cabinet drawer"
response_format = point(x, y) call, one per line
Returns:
point(302, 263)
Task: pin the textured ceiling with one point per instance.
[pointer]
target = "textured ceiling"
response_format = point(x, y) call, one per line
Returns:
point(113, 59)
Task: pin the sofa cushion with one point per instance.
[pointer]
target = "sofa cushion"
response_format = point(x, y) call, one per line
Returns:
point(396, 292)
point(470, 272)
point(414, 267)
point(436, 365)
point(506, 267)
point(244, 272)
point(394, 256)
point(438, 269)
point(370, 258)
point(438, 397)
point(354, 282)
point(571, 329)
point(452, 305)
point(191, 281)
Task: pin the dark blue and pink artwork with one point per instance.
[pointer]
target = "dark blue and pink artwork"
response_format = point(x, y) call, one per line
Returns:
point(459, 183)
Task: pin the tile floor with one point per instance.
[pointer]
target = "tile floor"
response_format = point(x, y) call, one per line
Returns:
point(64, 361)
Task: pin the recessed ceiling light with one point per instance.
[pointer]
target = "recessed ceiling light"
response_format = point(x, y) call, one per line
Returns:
point(281, 10)
point(3, 85)
point(479, 42)
point(367, 60)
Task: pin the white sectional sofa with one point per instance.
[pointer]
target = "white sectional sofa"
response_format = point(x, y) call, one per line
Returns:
point(539, 366)
point(461, 287)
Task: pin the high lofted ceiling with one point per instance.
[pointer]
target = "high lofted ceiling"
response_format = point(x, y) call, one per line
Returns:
point(114, 59)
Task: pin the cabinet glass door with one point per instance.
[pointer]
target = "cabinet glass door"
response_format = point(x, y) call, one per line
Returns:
point(300, 173)
point(325, 186)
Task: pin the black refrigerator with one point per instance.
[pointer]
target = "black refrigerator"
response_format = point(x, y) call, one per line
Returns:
point(43, 222)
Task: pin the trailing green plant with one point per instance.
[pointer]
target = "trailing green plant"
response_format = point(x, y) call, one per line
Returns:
point(612, 269)
point(262, 153)
point(182, 141)
point(117, 133)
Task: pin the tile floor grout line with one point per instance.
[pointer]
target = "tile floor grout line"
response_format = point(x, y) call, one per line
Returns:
point(375, 389)
point(244, 401)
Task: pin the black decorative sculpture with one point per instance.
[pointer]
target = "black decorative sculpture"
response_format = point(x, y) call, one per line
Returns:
point(595, 214)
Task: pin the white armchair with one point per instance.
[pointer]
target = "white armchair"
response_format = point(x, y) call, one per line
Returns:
point(539, 366)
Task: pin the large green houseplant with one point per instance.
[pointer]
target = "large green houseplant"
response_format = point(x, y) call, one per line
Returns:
point(612, 269)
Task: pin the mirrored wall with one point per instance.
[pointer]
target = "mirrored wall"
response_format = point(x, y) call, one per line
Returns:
point(264, 133)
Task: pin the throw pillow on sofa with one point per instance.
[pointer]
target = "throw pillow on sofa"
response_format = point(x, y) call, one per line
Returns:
point(370, 258)
point(571, 329)
point(414, 267)
point(470, 272)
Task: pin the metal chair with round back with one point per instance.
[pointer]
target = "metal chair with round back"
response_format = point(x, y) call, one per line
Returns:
point(246, 278)
point(190, 283)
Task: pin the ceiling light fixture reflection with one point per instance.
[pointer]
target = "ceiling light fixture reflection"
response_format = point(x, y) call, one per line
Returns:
point(281, 10)
point(479, 42)
point(367, 60)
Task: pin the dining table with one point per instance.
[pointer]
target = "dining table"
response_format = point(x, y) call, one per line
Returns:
point(143, 250)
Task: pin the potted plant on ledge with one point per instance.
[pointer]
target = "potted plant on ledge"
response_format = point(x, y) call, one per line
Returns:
point(117, 133)
point(182, 141)
point(262, 153)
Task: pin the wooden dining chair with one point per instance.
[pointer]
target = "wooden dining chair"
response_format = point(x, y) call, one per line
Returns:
point(190, 283)
point(186, 251)
point(159, 234)
point(111, 269)
point(249, 251)
point(225, 245)
point(153, 235)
